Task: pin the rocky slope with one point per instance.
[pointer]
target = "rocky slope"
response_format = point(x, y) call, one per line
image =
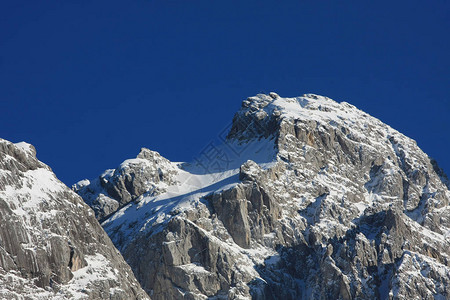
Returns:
point(305, 198)
point(51, 245)
point(149, 173)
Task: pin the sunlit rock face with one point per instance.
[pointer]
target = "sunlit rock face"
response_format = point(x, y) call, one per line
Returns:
point(316, 200)
point(149, 173)
point(51, 245)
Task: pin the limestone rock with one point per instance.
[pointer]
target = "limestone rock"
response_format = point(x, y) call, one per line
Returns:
point(149, 173)
point(346, 208)
point(51, 245)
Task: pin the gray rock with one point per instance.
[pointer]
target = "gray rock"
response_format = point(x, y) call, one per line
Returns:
point(348, 209)
point(51, 245)
point(149, 173)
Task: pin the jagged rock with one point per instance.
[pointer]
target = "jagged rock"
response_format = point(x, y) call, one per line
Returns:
point(249, 171)
point(51, 245)
point(345, 208)
point(149, 173)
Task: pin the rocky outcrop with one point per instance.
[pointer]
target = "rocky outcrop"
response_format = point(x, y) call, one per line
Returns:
point(149, 173)
point(349, 208)
point(51, 245)
point(256, 119)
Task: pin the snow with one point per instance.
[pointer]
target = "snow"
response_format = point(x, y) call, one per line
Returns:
point(272, 260)
point(315, 107)
point(82, 183)
point(193, 269)
point(417, 265)
point(37, 200)
point(97, 269)
point(195, 180)
point(361, 206)
point(25, 147)
point(217, 169)
point(37, 185)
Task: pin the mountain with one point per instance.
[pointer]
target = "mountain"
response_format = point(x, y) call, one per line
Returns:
point(51, 245)
point(303, 198)
point(149, 173)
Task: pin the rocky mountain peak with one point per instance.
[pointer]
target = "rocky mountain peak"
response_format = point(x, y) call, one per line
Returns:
point(262, 115)
point(51, 246)
point(150, 155)
point(21, 156)
point(257, 118)
point(320, 201)
point(28, 148)
point(149, 173)
point(307, 198)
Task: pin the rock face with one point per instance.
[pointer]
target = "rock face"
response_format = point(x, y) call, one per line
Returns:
point(149, 173)
point(51, 245)
point(319, 201)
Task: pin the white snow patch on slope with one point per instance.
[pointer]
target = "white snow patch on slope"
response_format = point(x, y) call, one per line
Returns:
point(25, 147)
point(37, 186)
point(36, 198)
point(97, 269)
point(207, 174)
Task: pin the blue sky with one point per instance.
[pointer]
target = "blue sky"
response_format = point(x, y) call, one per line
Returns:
point(90, 82)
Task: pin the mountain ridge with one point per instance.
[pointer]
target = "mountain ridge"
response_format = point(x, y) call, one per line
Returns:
point(51, 246)
point(330, 194)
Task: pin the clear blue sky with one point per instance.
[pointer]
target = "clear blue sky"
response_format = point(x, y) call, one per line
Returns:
point(90, 82)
